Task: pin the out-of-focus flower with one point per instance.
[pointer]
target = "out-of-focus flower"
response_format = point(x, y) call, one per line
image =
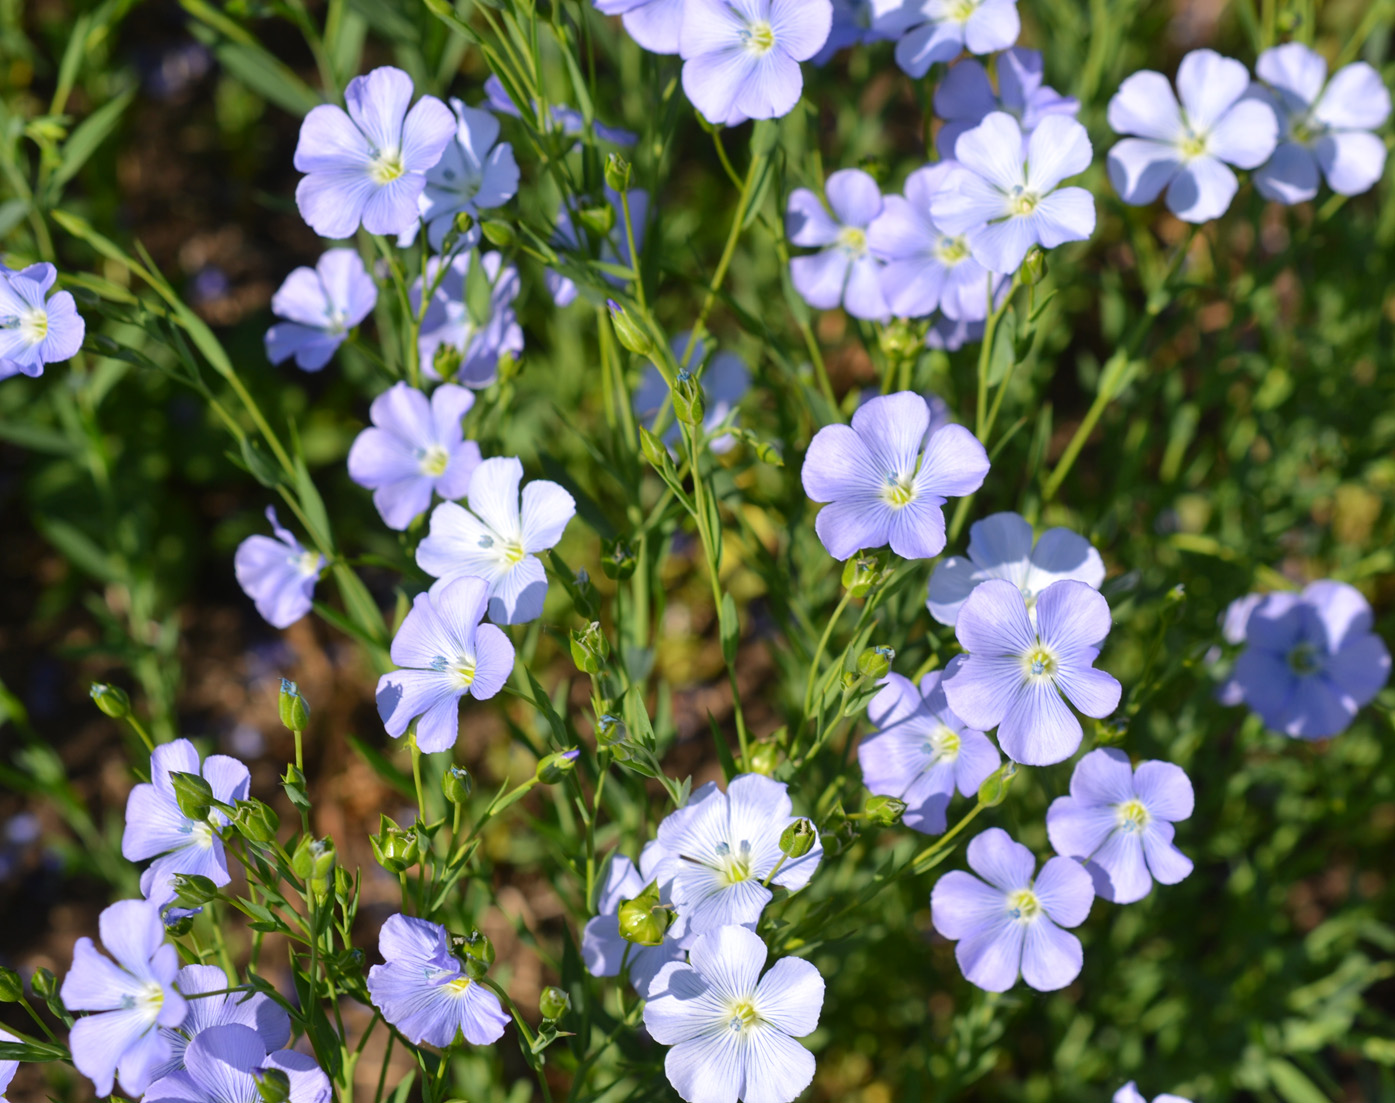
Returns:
point(845, 272)
point(937, 30)
point(614, 248)
point(654, 24)
point(278, 575)
point(566, 119)
point(725, 381)
point(966, 97)
point(1129, 1093)
point(476, 173)
point(480, 338)
point(320, 305)
point(36, 328)
point(227, 1063)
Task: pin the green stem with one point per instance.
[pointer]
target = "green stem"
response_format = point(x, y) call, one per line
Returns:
point(822, 647)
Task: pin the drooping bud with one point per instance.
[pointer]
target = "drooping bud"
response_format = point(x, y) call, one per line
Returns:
point(627, 331)
point(499, 234)
point(555, 767)
point(994, 789)
point(617, 173)
point(11, 986)
point(295, 713)
point(645, 919)
point(655, 451)
point(875, 662)
point(553, 1004)
point(885, 811)
point(456, 785)
point(111, 700)
point(44, 984)
point(256, 821)
point(193, 891)
point(193, 794)
point(689, 404)
point(590, 648)
point(798, 838)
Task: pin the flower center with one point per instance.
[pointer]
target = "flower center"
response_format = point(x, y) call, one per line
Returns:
point(734, 866)
point(899, 491)
point(1039, 662)
point(458, 986)
point(742, 1015)
point(386, 167)
point(433, 461)
point(960, 10)
point(33, 325)
point(759, 37)
point(950, 251)
point(1303, 659)
point(466, 186)
point(1023, 905)
point(1192, 144)
point(1021, 202)
point(942, 744)
point(509, 552)
point(202, 835)
point(151, 1000)
point(853, 240)
point(1133, 817)
point(307, 563)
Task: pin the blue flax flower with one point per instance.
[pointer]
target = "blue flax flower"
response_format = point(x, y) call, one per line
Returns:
point(414, 447)
point(852, 25)
point(7, 1068)
point(845, 272)
point(937, 30)
point(566, 119)
point(725, 381)
point(732, 1031)
point(254, 1010)
point(922, 751)
point(422, 990)
point(1187, 147)
point(278, 575)
point(368, 166)
point(654, 24)
point(476, 173)
point(228, 1063)
point(481, 341)
point(926, 269)
point(498, 539)
point(1129, 1093)
point(134, 996)
point(1120, 821)
point(603, 949)
point(445, 653)
point(156, 827)
point(966, 97)
point(880, 486)
point(1011, 922)
point(614, 248)
point(720, 847)
point(1005, 195)
point(320, 305)
point(1016, 670)
point(36, 330)
point(1000, 546)
point(1322, 124)
point(1310, 662)
point(741, 57)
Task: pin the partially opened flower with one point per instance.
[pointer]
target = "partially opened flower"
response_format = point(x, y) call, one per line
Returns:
point(1016, 672)
point(423, 991)
point(1323, 124)
point(614, 247)
point(721, 847)
point(36, 328)
point(368, 166)
point(654, 24)
point(413, 448)
point(741, 57)
point(498, 539)
point(603, 948)
point(926, 269)
point(476, 173)
point(254, 1010)
point(1011, 921)
point(320, 305)
point(1005, 197)
point(922, 751)
point(156, 827)
point(880, 486)
point(278, 575)
point(445, 653)
point(228, 1064)
point(931, 31)
point(1120, 821)
point(725, 381)
point(134, 996)
point(566, 119)
point(1129, 1093)
point(480, 333)
point(1310, 662)
point(845, 272)
point(1000, 546)
point(732, 1030)
point(1187, 148)
point(966, 97)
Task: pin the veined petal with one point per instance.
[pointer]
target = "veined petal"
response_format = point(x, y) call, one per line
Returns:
point(1051, 958)
point(1005, 864)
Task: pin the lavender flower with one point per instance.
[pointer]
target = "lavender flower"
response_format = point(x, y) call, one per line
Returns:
point(156, 827)
point(449, 321)
point(720, 848)
point(1311, 661)
point(445, 653)
point(566, 119)
point(880, 487)
point(278, 575)
point(922, 751)
point(369, 166)
point(254, 1010)
point(937, 30)
point(1129, 1093)
point(725, 381)
point(1120, 821)
point(423, 992)
point(741, 57)
point(1000, 546)
point(845, 271)
point(1016, 671)
point(1322, 124)
point(965, 97)
point(852, 25)
point(603, 949)
point(926, 269)
point(35, 330)
point(474, 174)
point(321, 305)
point(951, 335)
point(7, 1068)
point(614, 249)
point(414, 447)
point(732, 1030)
point(134, 997)
point(225, 1064)
point(1004, 198)
point(498, 540)
point(1186, 148)
point(1010, 923)
point(654, 24)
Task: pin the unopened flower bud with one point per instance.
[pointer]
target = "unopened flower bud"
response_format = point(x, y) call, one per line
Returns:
point(763, 759)
point(256, 821)
point(645, 919)
point(619, 561)
point(617, 172)
point(627, 331)
point(295, 713)
point(44, 984)
point(446, 360)
point(994, 789)
point(590, 648)
point(499, 234)
point(464, 223)
point(273, 1086)
point(313, 862)
point(455, 784)
point(655, 451)
point(798, 838)
point(111, 700)
point(553, 1003)
point(555, 767)
point(193, 891)
point(395, 849)
point(862, 572)
point(475, 952)
point(1111, 731)
point(1034, 268)
point(193, 794)
point(600, 219)
point(875, 662)
point(11, 986)
point(177, 926)
point(610, 729)
point(885, 811)
point(901, 340)
point(689, 404)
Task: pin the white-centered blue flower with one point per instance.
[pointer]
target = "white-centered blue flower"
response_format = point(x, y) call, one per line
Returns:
point(320, 306)
point(476, 173)
point(931, 31)
point(36, 328)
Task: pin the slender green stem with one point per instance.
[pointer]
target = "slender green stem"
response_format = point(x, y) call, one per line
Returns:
point(822, 647)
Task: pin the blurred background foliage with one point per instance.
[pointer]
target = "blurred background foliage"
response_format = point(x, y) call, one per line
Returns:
point(1252, 446)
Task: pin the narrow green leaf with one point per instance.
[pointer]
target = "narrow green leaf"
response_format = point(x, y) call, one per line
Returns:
point(86, 139)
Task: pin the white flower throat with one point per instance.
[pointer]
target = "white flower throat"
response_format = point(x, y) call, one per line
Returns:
point(506, 552)
point(459, 670)
point(742, 1016)
point(32, 325)
point(942, 744)
point(1040, 663)
point(731, 865)
point(386, 166)
point(758, 37)
point(433, 460)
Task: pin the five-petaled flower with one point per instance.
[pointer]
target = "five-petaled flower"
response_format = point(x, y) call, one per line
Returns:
point(35, 330)
point(845, 272)
point(278, 575)
point(931, 31)
point(320, 305)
